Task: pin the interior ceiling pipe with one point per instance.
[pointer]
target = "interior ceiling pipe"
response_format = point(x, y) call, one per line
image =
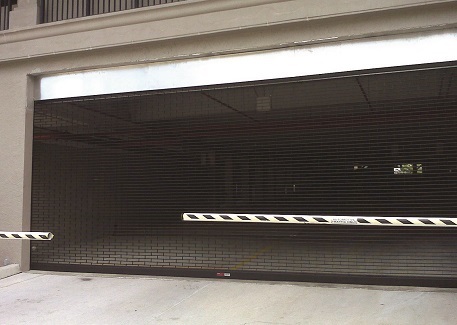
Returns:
point(26, 235)
point(322, 220)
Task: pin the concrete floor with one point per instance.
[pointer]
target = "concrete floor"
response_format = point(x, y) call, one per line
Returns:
point(63, 298)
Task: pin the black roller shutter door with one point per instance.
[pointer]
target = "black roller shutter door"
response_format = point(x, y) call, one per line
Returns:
point(113, 174)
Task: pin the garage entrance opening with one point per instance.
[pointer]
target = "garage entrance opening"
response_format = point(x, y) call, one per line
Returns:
point(113, 174)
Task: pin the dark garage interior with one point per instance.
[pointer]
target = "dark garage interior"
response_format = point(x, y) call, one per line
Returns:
point(113, 174)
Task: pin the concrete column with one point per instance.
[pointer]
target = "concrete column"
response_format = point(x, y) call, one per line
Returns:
point(15, 172)
point(25, 14)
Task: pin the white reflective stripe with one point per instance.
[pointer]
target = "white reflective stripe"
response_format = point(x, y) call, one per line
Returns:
point(439, 222)
point(26, 235)
point(306, 60)
point(319, 219)
point(395, 222)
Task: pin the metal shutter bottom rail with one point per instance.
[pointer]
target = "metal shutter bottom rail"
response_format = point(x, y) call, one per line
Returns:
point(438, 282)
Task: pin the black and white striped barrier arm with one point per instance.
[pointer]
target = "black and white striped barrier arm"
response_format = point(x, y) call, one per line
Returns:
point(321, 220)
point(26, 235)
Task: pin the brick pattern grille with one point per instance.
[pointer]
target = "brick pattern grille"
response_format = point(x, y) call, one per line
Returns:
point(434, 258)
point(112, 175)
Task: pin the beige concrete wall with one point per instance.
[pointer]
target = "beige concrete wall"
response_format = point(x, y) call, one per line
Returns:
point(305, 21)
point(14, 215)
point(195, 28)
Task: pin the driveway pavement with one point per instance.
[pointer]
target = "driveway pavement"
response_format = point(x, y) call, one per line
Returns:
point(65, 298)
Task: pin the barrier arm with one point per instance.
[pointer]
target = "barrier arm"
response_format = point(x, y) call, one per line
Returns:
point(323, 220)
point(26, 235)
